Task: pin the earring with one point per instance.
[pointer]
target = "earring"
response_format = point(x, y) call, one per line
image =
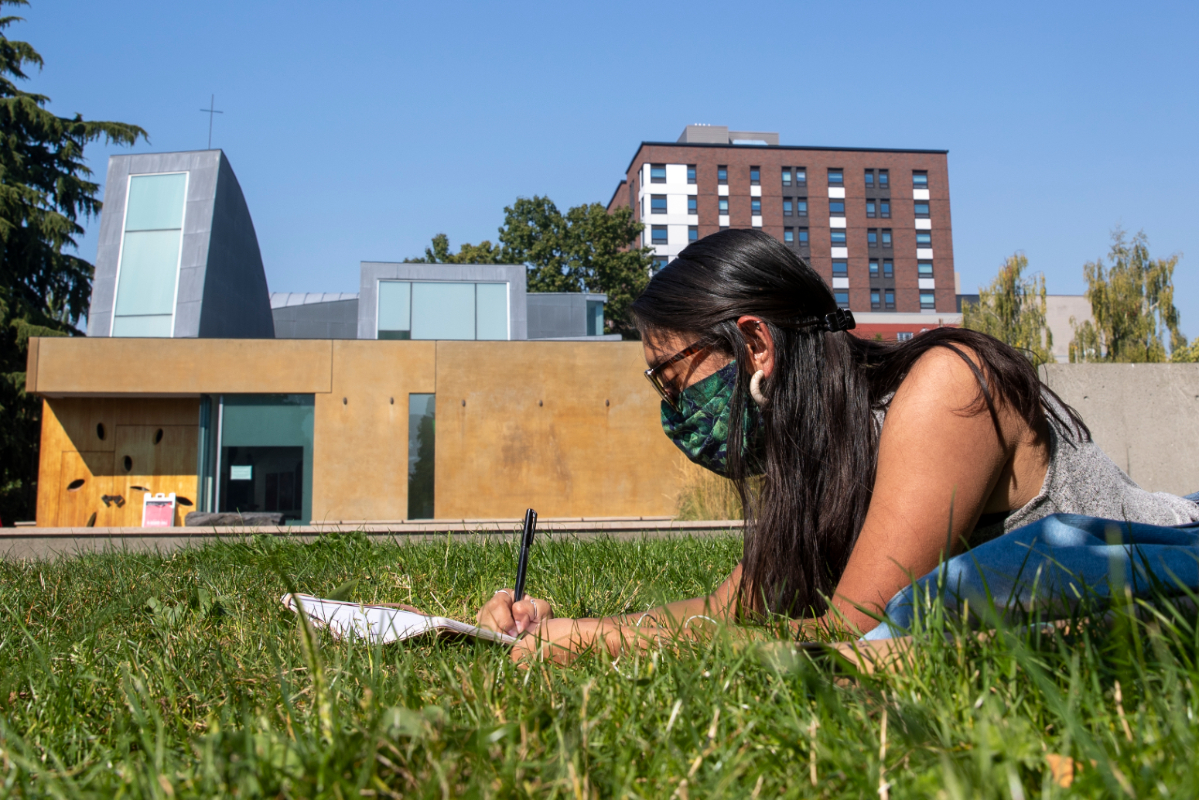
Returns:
point(755, 388)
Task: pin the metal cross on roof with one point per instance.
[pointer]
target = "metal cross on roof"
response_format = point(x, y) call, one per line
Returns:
point(210, 111)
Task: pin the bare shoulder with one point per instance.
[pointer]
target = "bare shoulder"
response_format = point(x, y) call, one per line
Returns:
point(941, 377)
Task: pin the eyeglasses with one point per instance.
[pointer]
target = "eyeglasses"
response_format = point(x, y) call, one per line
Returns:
point(654, 373)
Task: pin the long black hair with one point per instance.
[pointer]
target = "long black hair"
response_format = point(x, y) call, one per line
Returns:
point(820, 434)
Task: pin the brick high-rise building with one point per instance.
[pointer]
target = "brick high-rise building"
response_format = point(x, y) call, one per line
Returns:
point(874, 223)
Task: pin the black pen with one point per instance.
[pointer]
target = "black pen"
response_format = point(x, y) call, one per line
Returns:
point(526, 541)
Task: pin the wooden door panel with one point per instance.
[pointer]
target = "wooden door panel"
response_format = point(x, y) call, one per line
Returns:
point(84, 479)
point(155, 458)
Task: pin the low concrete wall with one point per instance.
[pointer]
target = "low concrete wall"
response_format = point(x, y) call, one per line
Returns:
point(1144, 416)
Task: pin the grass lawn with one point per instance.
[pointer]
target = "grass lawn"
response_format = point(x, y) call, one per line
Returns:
point(182, 675)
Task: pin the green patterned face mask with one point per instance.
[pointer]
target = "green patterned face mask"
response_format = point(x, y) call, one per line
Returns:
point(700, 426)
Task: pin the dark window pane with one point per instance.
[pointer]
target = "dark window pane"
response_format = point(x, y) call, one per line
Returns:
point(422, 432)
point(836, 208)
point(657, 204)
point(921, 209)
point(802, 233)
point(869, 179)
point(884, 179)
point(837, 236)
point(801, 208)
point(840, 268)
point(787, 207)
point(920, 180)
point(755, 206)
point(755, 176)
point(888, 269)
point(690, 173)
point(835, 177)
point(722, 174)
point(692, 234)
point(692, 204)
point(657, 173)
point(842, 299)
point(870, 209)
point(872, 238)
point(886, 238)
point(884, 208)
point(659, 234)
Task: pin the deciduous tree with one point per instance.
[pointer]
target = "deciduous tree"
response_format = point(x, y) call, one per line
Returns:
point(44, 288)
point(1012, 309)
point(1132, 306)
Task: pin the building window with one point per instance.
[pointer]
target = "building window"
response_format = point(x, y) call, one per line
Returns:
point(871, 209)
point(789, 235)
point(928, 300)
point(874, 269)
point(723, 203)
point(459, 310)
point(840, 268)
point(786, 176)
point(755, 206)
point(657, 173)
point(903, 336)
point(690, 173)
point(889, 298)
point(657, 204)
point(924, 239)
point(692, 233)
point(842, 299)
point(801, 206)
point(884, 208)
point(884, 179)
point(924, 269)
point(875, 301)
point(755, 176)
point(801, 236)
point(595, 318)
point(886, 237)
point(921, 209)
point(836, 208)
point(787, 206)
point(837, 237)
point(872, 237)
point(888, 268)
point(836, 177)
point(801, 176)
point(722, 175)
point(422, 432)
point(659, 235)
point(692, 204)
point(149, 268)
point(660, 262)
point(869, 175)
point(920, 180)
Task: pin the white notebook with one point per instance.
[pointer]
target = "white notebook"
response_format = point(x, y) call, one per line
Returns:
point(382, 624)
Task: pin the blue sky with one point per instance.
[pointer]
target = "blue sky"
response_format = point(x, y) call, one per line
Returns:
point(359, 130)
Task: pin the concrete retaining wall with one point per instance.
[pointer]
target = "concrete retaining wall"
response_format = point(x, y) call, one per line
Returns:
point(1144, 416)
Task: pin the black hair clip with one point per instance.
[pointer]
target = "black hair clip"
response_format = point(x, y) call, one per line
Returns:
point(840, 320)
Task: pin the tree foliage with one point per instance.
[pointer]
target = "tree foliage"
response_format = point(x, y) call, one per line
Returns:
point(586, 249)
point(1012, 309)
point(44, 288)
point(1132, 306)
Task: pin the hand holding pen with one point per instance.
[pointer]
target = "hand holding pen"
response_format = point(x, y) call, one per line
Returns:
point(509, 610)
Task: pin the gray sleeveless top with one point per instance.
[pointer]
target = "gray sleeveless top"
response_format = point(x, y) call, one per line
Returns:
point(1081, 479)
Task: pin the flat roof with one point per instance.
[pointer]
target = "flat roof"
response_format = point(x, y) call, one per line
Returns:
point(782, 147)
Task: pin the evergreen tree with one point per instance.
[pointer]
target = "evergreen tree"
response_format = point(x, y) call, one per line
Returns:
point(1132, 306)
point(44, 291)
point(1012, 309)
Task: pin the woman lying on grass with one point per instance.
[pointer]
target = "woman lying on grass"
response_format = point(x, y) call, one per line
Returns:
point(871, 461)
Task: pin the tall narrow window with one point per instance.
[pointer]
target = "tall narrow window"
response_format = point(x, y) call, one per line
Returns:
point(884, 179)
point(789, 235)
point(801, 237)
point(869, 179)
point(786, 176)
point(149, 268)
point(723, 205)
point(422, 438)
point(693, 233)
point(873, 268)
point(871, 209)
point(395, 310)
point(888, 268)
point(595, 317)
point(755, 206)
point(886, 237)
point(722, 175)
point(872, 237)
point(874, 298)
point(787, 207)
point(801, 206)
point(755, 176)
point(692, 204)
point(691, 173)
point(884, 208)
point(889, 297)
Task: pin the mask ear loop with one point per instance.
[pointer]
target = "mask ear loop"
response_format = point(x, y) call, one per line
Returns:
point(755, 388)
